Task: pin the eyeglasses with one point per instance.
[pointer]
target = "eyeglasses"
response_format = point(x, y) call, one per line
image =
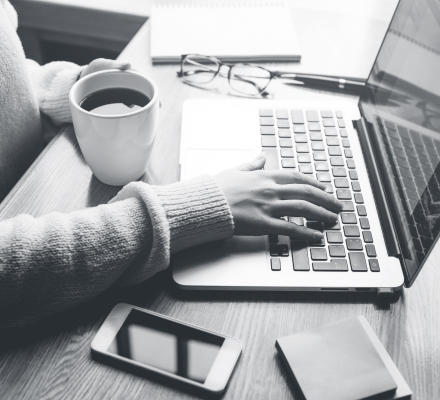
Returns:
point(247, 79)
point(250, 79)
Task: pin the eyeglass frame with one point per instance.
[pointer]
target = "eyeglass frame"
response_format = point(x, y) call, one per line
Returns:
point(262, 92)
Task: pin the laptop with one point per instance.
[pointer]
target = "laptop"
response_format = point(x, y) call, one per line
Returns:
point(380, 158)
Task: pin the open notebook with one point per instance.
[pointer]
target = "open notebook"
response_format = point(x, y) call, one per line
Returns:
point(233, 33)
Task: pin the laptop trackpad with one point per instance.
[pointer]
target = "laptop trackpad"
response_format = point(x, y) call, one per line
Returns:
point(225, 263)
point(213, 161)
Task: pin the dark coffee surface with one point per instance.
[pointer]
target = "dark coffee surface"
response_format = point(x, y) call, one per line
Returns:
point(114, 101)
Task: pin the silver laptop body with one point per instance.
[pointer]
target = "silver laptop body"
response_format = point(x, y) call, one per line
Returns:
point(395, 154)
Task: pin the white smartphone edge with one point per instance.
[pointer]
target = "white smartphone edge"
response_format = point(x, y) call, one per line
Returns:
point(219, 375)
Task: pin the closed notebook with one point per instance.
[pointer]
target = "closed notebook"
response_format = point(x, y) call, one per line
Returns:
point(231, 32)
point(342, 361)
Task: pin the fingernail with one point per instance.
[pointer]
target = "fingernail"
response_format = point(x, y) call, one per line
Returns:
point(260, 156)
point(317, 235)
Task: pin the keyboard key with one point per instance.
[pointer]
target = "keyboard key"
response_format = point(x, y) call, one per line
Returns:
point(356, 186)
point(336, 251)
point(368, 237)
point(328, 122)
point(374, 265)
point(358, 198)
point(266, 121)
point(268, 141)
point(315, 126)
point(300, 138)
point(348, 218)
point(297, 117)
point(339, 172)
point(305, 168)
point(341, 124)
point(343, 194)
point(365, 224)
point(323, 177)
point(330, 132)
point(273, 239)
point(266, 113)
point(312, 116)
point(319, 156)
point(343, 133)
point(286, 143)
point(333, 265)
point(318, 254)
point(318, 146)
point(353, 174)
point(302, 148)
point(287, 153)
point(304, 158)
point(354, 244)
point(371, 250)
point(348, 153)
point(341, 183)
point(327, 114)
point(267, 130)
point(345, 143)
point(288, 163)
point(335, 151)
point(352, 231)
point(334, 237)
point(283, 123)
point(350, 164)
point(358, 262)
point(284, 133)
point(282, 114)
point(300, 256)
point(275, 264)
point(332, 141)
point(332, 226)
point(299, 129)
point(297, 220)
point(321, 166)
point(328, 188)
point(347, 206)
point(337, 161)
point(339, 114)
point(271, 159)
point(316, 136)
point(362, 211)
point(279, 250)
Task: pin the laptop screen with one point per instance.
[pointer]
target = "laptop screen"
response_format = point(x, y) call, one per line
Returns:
point(401, 106)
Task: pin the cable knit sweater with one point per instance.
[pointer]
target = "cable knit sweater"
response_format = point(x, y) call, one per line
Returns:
point(57, 261)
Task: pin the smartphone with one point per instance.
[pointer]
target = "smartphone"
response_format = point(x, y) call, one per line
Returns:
point(147, 343)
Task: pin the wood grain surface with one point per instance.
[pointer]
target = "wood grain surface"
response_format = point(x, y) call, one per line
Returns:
point(53, 361)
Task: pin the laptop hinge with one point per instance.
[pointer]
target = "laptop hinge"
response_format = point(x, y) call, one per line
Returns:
point(378, 191)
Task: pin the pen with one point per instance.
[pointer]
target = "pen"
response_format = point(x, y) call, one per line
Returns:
point(322, 80)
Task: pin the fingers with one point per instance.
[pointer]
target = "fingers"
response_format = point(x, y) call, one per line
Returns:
point(287, 177)
point(122, 66)
point(301, 208)
point(311, 194)
point(281, 227)
point(255, 164)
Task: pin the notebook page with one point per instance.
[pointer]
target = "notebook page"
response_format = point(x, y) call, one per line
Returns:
point(229, 32)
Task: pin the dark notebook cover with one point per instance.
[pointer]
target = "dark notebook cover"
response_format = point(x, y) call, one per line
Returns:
point(340, 361)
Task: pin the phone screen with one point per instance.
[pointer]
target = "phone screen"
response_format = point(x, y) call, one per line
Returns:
point(167, 345)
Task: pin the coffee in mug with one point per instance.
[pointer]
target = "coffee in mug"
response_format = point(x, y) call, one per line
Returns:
point(115, 115)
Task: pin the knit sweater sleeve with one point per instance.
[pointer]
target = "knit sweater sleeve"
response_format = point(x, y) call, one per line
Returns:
point(54, 262)
point(51, 84)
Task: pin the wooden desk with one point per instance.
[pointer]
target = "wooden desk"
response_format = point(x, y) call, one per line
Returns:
point(56, 364)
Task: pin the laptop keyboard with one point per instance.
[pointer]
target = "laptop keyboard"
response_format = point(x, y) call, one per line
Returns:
point(414, 160)
point(317, 144)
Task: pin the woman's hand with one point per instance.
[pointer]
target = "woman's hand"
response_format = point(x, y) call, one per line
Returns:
point(258, 199)
point(101, 64)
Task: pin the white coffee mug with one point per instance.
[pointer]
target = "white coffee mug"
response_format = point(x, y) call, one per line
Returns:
point(117, 148)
